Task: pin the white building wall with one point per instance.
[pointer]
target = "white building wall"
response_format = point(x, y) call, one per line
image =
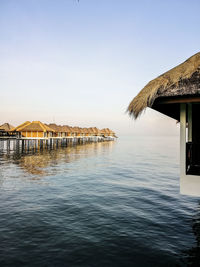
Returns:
point(189, 184)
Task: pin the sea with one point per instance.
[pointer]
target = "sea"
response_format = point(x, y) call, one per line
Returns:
point(113, 203)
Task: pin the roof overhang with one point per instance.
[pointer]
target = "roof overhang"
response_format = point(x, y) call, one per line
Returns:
point(170, 106)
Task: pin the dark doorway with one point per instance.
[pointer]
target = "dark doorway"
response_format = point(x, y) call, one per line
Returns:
point(193, 147)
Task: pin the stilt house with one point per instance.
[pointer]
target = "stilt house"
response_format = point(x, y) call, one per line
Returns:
point(35, 129)
point(5, 129)
point(176, 94)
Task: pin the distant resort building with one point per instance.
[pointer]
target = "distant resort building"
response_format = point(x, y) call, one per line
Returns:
point(37, 129)
point(37, 135)
point(5, 129)
point(176, 94)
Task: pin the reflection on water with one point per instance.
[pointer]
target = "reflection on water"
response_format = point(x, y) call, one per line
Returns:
point(193, 254)
point(100, 204)
point(36, 163)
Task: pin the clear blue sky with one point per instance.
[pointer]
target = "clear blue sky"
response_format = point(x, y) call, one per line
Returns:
point(81, 63)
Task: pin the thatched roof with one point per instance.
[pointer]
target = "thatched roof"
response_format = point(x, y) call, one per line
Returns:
point(89, 130)
point(85, 130)
point(46, 127)
point(103, 131)
point(35, 126)
point(66, 129)
point(96, 130)
point(59, 128)
point(75, 129)
point(106, 131)
point(6, 127)
point(71, 129)
point(82, 130)
point(92, 130)
point(19, 127)
point(53, 126)
point(109, 131)
point(182, 80)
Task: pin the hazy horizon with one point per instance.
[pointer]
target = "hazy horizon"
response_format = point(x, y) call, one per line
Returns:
point(81, 62)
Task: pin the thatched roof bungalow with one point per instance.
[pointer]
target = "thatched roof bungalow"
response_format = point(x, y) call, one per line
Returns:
point(39, 129)
point(76, 131)
point(72, 131)
point(85, 131)
point(61, 130)
point(176, 93)
point(95, 131)
point(165, 93)
point(92, 131)
point(35, 129)
point(109, 132)
point(55, 128)
point(5, 129)
point(103, 132)
point(112, 133)
point(58, 130)
point(67, 129)
point(82, 131)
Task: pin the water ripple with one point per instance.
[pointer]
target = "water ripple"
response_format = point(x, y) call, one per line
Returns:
point(104, 204)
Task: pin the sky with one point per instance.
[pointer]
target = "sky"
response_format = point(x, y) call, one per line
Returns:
point(81, 62)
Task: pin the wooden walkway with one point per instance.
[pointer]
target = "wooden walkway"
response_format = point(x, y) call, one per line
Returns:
point(27, 144)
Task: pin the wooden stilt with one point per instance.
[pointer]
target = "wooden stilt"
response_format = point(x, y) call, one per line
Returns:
point(8, 145)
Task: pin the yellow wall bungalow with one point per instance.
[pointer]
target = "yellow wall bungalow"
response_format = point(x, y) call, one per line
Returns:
point(35, 129)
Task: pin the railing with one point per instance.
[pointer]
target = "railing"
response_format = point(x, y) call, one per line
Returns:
point(193, 158)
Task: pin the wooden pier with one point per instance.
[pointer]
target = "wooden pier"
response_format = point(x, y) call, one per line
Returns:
point(33, 144)
point(33, 136)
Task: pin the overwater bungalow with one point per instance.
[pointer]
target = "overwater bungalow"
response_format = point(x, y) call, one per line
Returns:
point(92, 131)
point(85, 131)
point(62, 131)
point(75, 131)
point(16, 130)
point(176, 94)
point(56, 129)
point(110, 133)
point(82, 132)
point(67, 130)
point(103, 132)
point(5, 129)
point(37, 135)
point(96, 131)
point(89, 131)
point(35, 129)
point(59, 131)
point(106, 132)
point(71, 131)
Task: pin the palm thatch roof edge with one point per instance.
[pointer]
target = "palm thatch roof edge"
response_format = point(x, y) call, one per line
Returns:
point(184, 79)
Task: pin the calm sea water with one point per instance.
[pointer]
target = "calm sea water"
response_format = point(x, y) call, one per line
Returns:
point(103, 204)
